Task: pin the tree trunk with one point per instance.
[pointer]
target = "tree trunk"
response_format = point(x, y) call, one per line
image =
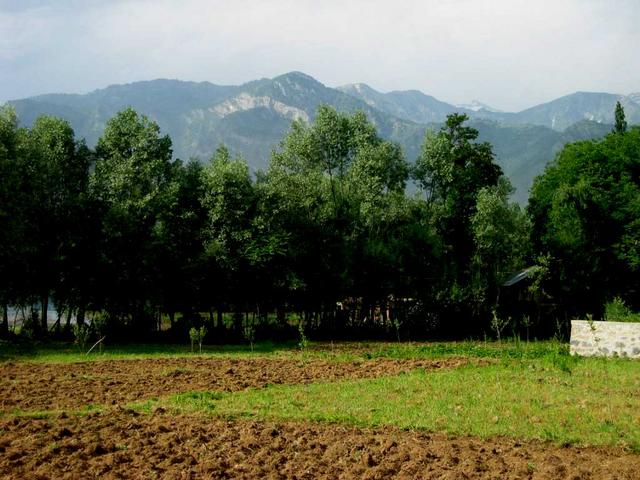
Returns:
point(56, 326)
point(80, 316)
point(384, 313)
point(45, 312)
point(4, 329)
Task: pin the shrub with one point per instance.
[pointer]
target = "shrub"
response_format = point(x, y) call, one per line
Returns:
point(617, 311)
point(81, 333)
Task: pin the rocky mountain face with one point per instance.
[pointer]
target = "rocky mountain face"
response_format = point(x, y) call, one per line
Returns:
point(252, 118)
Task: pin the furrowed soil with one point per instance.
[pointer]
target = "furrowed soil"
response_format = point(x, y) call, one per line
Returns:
point(125, 444)
point(38, 387)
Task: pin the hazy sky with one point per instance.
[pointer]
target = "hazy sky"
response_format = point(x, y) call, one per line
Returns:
point(510, 54)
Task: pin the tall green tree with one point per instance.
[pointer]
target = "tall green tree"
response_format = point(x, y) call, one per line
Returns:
point(451, 171)
point(229, 203)
point(12, 239)
point(178, 242)
point(58, 172)
point(133, 170)
point(501, 233)
point(585, 210)
point(338, 190)
point(620, 121)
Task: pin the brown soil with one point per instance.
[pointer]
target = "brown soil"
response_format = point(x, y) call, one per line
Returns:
point(124, 444)
point(33, 387)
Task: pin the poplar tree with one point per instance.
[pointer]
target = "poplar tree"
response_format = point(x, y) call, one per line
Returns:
point(621, 123)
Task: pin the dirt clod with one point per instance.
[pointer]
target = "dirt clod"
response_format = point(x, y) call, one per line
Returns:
point(203, 447)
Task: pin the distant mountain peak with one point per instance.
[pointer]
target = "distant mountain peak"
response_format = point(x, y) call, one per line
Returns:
point(411, 105)
point(363, 92)
point(591, 94)
point(569, 109)
point(296, 77)
point(363, 87)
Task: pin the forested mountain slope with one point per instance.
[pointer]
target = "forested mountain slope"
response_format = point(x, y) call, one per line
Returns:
point(251, 119)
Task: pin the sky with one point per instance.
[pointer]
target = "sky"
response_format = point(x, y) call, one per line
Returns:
point(510, 54)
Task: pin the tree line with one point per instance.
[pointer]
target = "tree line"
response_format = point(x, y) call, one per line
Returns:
point(328, 238)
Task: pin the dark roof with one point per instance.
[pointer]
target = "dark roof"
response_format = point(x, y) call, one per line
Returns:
point(518, 276)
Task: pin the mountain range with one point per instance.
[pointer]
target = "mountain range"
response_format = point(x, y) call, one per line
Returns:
point(252, 118)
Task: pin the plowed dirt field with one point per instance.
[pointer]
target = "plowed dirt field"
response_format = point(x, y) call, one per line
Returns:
point(118, 442)
point(40, 386)
point(125, 444)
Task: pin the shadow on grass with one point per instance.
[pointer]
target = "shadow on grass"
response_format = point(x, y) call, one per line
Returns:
point(21, 349)
point(509, 349)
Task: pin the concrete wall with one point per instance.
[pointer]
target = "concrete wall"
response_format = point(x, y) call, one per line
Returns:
point(607, 338)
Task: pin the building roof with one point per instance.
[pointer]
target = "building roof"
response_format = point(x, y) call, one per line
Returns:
point(518, 277)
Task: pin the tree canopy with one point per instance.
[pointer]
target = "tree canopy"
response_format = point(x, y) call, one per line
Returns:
point(341, 235)
point(585, 211)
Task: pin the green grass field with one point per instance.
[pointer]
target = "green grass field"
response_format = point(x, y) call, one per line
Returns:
point(65, 352)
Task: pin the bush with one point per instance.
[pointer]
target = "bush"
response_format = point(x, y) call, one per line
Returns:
point(82, 333)
point(617, 311)
point(101, 322)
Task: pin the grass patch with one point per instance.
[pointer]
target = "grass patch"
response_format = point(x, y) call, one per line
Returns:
point(66, 352)
point(342, 351)
point(507, 349)
point(196, 401)
point(144, 406)
point(527, 400)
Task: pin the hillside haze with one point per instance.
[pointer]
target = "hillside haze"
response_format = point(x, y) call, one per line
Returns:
point(252, 118)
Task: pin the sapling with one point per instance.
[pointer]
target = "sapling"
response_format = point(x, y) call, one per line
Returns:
point(304, 341)
point(100, 324)
point(197, 336)
point(499, 324)
point(249, 331)
point(397, 323)
point(526, 321)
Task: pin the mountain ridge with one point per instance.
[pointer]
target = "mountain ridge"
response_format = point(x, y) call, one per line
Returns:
point(558, 113)
point(252, 118)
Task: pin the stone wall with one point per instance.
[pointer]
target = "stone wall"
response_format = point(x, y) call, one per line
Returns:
point(607, 338)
